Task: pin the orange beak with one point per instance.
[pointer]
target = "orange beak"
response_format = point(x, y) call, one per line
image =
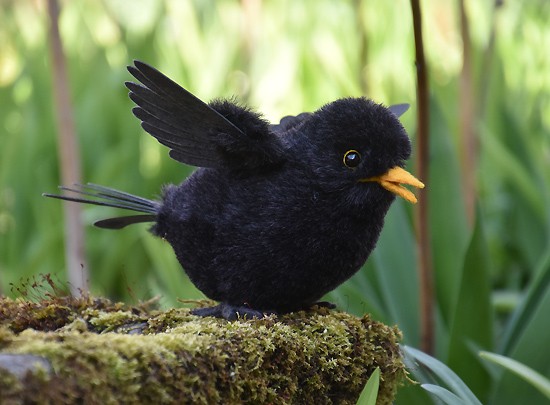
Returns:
point(392, 180)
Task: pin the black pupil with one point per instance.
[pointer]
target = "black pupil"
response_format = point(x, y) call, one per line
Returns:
point(352, 159)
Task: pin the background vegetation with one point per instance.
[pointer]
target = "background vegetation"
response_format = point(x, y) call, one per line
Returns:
point(490, 239)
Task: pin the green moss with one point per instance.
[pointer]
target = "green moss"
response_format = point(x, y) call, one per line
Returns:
point(110, 353)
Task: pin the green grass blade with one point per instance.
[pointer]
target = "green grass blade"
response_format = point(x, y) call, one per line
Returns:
point(396, 271)
point(448, 222)
point(370, 392)
point(445, 395)
point(534, 378)
point(509, 165)
point(443, 372)
point(524, 313)
point(473, 318)
point(527, 340)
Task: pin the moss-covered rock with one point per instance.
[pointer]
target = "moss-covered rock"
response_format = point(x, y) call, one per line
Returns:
point(104, 353)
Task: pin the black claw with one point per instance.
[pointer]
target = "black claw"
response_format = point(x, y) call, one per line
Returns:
point(326, 304)
point(232, 312)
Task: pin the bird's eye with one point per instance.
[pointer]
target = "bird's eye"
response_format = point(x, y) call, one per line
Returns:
point(352, 158)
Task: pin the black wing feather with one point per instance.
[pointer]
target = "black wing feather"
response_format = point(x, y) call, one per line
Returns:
point(290, 121)
point(219, 134)
point(177, 118)
point(156, 110)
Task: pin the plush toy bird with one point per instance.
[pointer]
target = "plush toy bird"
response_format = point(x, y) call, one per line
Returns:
point(276, 216)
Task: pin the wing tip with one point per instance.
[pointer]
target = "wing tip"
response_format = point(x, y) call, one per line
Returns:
point(399, 109)
point(138, 62)
point(132, 68)
point(144, 68)
point(137, 110)
point(128, 84)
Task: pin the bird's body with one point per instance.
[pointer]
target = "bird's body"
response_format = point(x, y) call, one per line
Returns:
point(276, 216)
point(282, 252)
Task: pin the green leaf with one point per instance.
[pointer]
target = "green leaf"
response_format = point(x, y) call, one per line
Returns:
point(526, 194)
point(395, 264)
point(370, 392)
point(441, 371)
point(445, 395)
point(526, 337)
point(507, 162)
point(473, 319)
point(534, 378)
point(529, 343)
point(448, 223)
point(523, 316)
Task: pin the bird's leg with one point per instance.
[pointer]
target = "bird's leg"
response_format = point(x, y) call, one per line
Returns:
point(231, 312)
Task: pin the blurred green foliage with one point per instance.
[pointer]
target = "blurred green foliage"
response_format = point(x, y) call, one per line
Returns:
point(284, 57)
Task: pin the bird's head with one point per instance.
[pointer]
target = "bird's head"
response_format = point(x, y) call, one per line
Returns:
point(356, 145)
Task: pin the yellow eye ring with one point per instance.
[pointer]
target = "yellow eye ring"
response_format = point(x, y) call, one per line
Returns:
point(352, 159)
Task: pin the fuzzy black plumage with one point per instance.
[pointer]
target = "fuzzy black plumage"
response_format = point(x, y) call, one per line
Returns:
point(277, 215)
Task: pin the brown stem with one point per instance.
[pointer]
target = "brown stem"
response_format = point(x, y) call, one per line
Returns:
point(486, 64)
point(68, 156)
point(467, 119)
point(422, 169)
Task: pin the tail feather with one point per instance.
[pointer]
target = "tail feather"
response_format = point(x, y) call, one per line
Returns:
point(110, 197)
point(108, 192)
point(121, 222)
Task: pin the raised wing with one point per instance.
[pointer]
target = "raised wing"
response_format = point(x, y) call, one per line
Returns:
point(221, 135)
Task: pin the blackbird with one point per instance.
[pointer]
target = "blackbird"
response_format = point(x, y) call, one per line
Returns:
point(275, 216)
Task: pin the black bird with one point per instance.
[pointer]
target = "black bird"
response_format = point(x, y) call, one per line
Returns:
point(277, 215)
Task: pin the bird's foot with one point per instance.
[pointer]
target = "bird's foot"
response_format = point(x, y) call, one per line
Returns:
point(325, 304)
point(231, 312)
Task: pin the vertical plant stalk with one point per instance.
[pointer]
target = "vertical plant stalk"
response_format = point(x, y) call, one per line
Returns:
point(69, 157)
point(487, 63)
point(422, 222)
point(468, 134)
